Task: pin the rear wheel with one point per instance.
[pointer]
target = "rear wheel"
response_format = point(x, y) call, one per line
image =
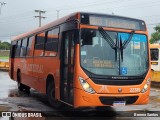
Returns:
point(51, 96)
point(22, 87)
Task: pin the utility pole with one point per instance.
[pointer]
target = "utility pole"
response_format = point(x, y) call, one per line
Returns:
point(40, 16)
point(58, 13)
point(1, 4)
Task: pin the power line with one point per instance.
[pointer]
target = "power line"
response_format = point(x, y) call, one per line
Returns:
point(153, 24)
point(40, 16)
point(93, 5)
point(17, 15)
point(1, 4)
point(134, 5)
point(83, 6)
point(102, 3)
point(71, 8)
point(17, 21)
point(86, 6)
point(15, 18)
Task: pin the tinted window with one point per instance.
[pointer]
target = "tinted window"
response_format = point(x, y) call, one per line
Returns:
point(39, 45)
point(51, 45)
point(23, 47)
point(30, 44)
point(18, 48)
point(154, 54)
point(99, 56)
point(13, 49)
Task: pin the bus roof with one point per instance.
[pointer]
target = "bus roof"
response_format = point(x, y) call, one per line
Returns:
point(54, 23)
point(103, 14)
point(62, 20)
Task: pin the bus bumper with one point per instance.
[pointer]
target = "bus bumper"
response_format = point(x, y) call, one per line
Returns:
point(85, 99)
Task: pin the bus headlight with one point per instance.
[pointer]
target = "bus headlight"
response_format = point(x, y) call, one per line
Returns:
point(145, 88)
point(86, 86)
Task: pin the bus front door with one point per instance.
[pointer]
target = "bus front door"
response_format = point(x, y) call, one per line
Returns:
point(67, 58)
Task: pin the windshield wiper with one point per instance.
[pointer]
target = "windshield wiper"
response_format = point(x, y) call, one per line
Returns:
point(107, 37)
point(121, 48)
point(116, 49)
point(116, 45)
point(125, 43)
point(109, 40)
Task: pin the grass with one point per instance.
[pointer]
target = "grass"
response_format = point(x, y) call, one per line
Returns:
point(4, 57)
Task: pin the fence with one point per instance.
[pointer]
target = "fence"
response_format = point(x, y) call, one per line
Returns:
point(4, 53)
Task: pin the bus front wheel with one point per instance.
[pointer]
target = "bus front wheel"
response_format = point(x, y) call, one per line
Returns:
point(51, 96)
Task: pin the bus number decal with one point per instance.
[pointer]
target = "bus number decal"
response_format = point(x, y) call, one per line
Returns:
point(133, 90)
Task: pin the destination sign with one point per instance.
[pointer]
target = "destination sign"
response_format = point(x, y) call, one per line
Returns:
point(103, 64)
point(116, 22)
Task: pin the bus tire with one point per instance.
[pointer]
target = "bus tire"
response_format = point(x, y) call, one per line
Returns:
point(22, 87)
point(51, 96)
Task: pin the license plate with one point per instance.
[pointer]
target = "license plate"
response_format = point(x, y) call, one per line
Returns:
point(119, 103)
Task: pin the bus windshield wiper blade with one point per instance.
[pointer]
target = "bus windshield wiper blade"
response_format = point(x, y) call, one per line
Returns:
point(107, 37)
point(116, 48)
point(125, 43)
point(109, 40)
point(121, 48)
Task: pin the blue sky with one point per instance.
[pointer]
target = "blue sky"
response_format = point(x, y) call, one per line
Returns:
point(18, 15)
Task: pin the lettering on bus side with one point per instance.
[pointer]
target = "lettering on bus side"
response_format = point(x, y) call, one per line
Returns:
point(37, 68)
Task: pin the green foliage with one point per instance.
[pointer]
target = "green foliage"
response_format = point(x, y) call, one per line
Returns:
point(157, 28)
point(4, 58)
point(4, 46)
point(156, 35)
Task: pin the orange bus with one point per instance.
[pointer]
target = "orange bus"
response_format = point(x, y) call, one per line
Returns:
point(85, 59)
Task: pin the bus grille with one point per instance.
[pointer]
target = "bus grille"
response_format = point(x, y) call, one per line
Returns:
point(117, 82)
point(109, 100)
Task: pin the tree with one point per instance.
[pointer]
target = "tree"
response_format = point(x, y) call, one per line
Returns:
point(156, 35)
point(4, 46)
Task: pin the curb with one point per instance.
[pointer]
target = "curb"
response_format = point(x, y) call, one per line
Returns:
point(4, 70)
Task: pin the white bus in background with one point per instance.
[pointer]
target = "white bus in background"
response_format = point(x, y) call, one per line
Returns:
point(155, 62)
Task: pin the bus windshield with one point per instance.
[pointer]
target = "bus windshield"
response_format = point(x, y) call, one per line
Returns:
point(102, 55)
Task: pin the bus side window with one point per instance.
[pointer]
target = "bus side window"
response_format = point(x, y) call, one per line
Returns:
point(154, 54)
point(23, 47)
point(18, 48)
point(51, 45)
point(29, 51)
point(39, 44)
